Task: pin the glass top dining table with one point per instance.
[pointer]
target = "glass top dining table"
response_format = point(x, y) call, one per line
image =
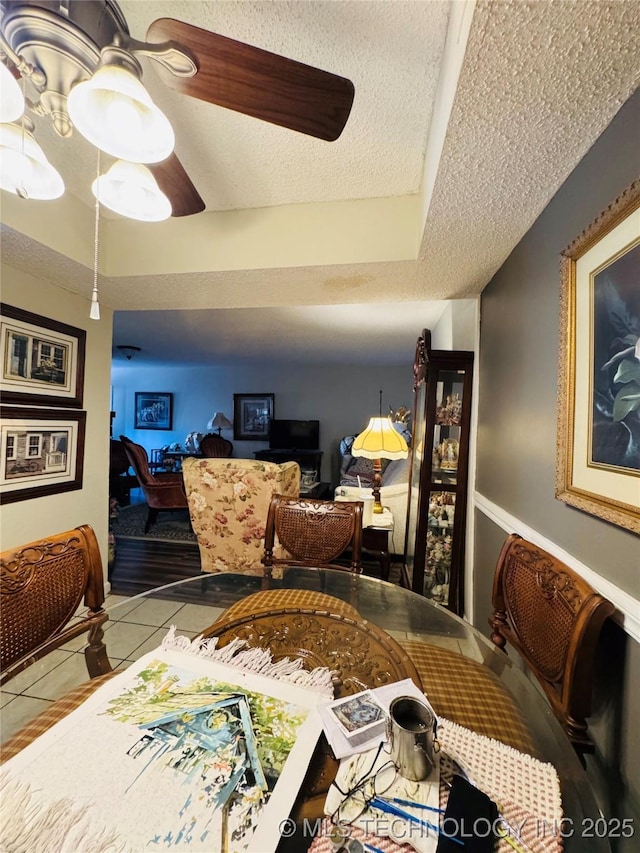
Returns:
point(406, 617)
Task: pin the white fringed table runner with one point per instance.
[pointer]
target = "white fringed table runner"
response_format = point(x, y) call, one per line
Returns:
point(236, 654)
point(188, 745)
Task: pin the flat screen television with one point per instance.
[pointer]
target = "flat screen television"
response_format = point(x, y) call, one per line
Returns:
point(294, 435)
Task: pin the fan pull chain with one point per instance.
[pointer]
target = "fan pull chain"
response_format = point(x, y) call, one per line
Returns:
point(22, 191)
point(94, 313)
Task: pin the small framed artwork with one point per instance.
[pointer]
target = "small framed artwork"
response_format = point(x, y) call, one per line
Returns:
point(42, 359)
point(42, 452)
point(251, 416)
point(154, 410)
point(598, 440)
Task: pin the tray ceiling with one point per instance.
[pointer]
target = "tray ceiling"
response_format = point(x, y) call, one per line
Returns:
point(467, 118)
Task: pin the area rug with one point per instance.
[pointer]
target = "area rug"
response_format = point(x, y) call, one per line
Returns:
point(169, 527)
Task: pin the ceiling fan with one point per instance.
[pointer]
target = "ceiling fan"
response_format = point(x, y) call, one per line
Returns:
point(57, 44)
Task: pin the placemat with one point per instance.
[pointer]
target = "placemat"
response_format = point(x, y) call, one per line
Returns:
point(470, 694)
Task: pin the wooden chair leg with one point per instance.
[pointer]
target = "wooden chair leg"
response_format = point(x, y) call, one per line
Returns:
point(95, 654)
point(151, 519)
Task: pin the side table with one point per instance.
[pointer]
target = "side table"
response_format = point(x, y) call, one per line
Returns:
point(321, 491)
point(375, 541)
point(175, 457)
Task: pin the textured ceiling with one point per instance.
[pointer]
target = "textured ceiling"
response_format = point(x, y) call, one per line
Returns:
point(381, 334)
point(481, 152)
point(390, 49)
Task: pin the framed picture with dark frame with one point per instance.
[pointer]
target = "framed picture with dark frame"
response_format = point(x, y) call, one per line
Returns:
point(153, 410)
point(251, 416)
point(42, 359)
point(41, 452)
point(598, 440)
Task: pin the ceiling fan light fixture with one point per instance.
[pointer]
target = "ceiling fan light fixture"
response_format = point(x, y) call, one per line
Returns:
point(11, 97)
point(115, 113)
point(24, 168)
point(131, 190)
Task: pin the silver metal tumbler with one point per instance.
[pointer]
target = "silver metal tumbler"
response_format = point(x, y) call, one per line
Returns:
point(412, 737)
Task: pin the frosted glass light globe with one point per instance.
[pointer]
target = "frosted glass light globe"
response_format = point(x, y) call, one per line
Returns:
point(131, 190)
point(115, 113)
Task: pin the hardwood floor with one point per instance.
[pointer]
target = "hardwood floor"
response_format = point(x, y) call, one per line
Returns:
point(143, 564)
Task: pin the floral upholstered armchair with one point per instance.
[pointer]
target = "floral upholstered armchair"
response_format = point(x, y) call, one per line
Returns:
point(228, 504)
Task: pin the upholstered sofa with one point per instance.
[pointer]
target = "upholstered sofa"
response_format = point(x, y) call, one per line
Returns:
point(393, 493)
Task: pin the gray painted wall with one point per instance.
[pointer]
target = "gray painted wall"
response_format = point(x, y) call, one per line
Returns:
point(518, 370)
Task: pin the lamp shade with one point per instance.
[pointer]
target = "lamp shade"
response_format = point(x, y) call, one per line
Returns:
point(379, 440)
point(131, 190)
point(115, 113)
point(11, 97)
point(24, 169)
point(219, 421)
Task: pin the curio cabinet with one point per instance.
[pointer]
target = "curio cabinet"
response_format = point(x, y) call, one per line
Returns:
point(437, 505)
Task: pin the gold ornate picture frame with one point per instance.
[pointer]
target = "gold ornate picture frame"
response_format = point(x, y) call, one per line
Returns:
point(598, 437)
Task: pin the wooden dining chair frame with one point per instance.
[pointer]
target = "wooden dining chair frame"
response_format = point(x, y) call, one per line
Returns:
point(291, 523)
point(42, 584)
point(214, 446)
point(553, 618)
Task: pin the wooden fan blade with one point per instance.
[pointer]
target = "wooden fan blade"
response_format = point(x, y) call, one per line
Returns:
point(256, 82)
point(177, 186)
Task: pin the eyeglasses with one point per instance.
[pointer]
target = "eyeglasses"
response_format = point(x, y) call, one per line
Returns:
point(363, 788)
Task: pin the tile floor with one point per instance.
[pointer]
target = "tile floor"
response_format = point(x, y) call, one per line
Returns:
point(137, 627)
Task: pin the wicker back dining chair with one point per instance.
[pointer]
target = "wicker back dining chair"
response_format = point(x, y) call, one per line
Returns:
point(42, 585)
point(164, 491)
point(552, 617)
point(312, 533)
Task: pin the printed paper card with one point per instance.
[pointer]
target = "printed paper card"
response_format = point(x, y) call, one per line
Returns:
point(360, 717)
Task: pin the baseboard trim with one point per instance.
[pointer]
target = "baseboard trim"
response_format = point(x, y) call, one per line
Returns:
point(627, 613)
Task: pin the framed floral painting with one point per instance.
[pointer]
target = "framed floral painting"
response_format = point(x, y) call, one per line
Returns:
point(598, 440)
